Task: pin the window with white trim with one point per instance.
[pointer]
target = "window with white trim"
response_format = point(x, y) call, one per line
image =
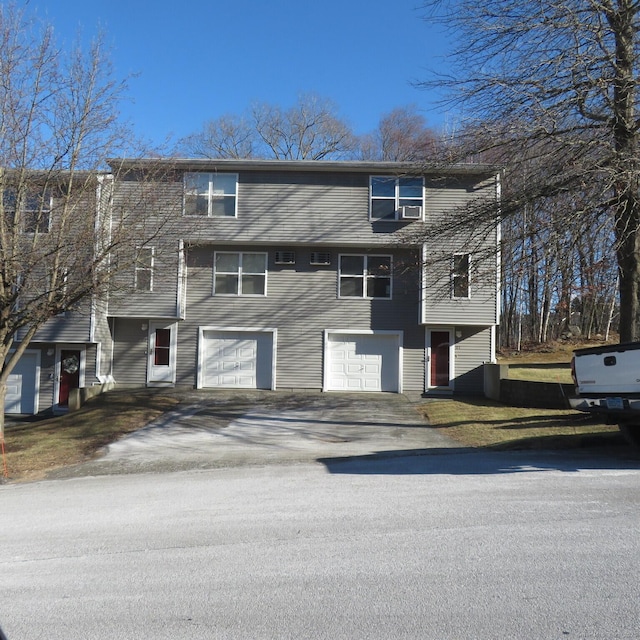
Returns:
point(364, 276)
point(211, 194)
point(460, 276)
point(34, 208)
point(239, 274)
point(144, 268)
point(389, 195)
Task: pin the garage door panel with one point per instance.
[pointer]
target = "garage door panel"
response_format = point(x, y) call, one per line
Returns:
point(236, 359)
point(363, 362)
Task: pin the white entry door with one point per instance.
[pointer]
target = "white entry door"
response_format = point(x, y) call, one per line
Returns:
point(362, 362)
point(162, 353)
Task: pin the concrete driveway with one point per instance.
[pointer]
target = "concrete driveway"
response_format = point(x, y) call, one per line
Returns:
point(232, 428)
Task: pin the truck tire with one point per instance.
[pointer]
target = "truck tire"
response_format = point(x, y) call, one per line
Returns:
point(631, 433)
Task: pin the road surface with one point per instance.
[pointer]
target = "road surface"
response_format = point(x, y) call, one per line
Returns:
point(464, 545)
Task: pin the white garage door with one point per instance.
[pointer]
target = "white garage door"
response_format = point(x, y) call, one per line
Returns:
point(22, 387)
point(368, 362)
point(236, 359)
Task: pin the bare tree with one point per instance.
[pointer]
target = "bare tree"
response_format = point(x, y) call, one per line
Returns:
point(402, 136)
point(310, 130)
point(557, 79)
point(226, 137)
point(58, 125)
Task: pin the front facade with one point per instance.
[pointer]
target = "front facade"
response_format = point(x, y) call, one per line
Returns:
point(286, 275)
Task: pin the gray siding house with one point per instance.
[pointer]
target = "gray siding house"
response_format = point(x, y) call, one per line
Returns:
point(291, 275)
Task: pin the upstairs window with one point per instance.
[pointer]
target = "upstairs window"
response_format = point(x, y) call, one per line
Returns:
point(144, 269)
point(239, 274)
point(211, 194)
point(396, 198)
point(34, 209)
point(364, 276)
point(460, 276)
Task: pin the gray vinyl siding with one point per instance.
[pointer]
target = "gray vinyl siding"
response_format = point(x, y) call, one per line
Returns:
point(472, 349)
point(130, 352)
point(443, 199)
point(155, 209)
point(162, 301)
point(90, 377)
point(301, 303)
point(294, 207)
point(72, 326)
point(102, 336)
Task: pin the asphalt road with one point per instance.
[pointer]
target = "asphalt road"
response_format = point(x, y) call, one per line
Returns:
point(457, 545)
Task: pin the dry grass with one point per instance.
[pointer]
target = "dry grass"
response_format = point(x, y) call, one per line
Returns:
point(34, 448)
point(535, 374)
point(482, 423)
point(554, 352)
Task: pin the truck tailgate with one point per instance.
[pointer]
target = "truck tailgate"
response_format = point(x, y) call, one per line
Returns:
point(614, 369)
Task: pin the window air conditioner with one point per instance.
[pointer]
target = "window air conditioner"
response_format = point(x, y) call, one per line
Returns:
point(320, 257)
point(410, 213)
point(285, 257)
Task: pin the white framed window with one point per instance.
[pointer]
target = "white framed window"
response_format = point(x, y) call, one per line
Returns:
point(211, 194)
point(394, 198)
point(145, 257)
point(239, 274)
point(34, 207)
point(364, 276)
point(460, 269)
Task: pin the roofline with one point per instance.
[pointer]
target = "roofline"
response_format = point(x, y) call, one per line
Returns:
point(357, 166)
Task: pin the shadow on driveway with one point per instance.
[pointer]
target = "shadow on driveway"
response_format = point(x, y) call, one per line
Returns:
point(468, 461)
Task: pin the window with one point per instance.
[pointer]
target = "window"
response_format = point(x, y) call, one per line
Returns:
point(144, 268)
point(162, 348)
point(210, 194)
point(35, 209)
point(239, 274)
point(391, 197)
point(460, 276)
point(364, 276)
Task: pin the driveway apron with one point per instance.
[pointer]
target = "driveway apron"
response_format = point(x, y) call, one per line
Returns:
point(232, 428)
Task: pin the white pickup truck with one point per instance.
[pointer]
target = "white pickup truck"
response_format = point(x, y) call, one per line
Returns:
point(607, 382)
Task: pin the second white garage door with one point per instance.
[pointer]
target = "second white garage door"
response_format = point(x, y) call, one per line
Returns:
point(362, 362)
point(236, 359)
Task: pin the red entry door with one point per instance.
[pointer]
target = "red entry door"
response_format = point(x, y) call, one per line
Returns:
point(69, 374)
point(439, 371)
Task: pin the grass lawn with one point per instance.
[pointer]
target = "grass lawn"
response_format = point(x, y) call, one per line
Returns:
point(534, 374)
point(34, 448)
point(482, 423)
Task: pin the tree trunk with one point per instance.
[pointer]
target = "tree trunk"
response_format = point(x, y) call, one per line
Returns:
point(3, 395)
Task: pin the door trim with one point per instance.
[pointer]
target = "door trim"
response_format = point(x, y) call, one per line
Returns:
point(427, 370)
point(162, 324)
point(58, 364)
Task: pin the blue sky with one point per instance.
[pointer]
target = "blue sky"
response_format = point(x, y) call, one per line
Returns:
point(200, 59)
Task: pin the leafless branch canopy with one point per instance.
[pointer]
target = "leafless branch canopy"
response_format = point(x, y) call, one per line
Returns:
point(551, 93)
